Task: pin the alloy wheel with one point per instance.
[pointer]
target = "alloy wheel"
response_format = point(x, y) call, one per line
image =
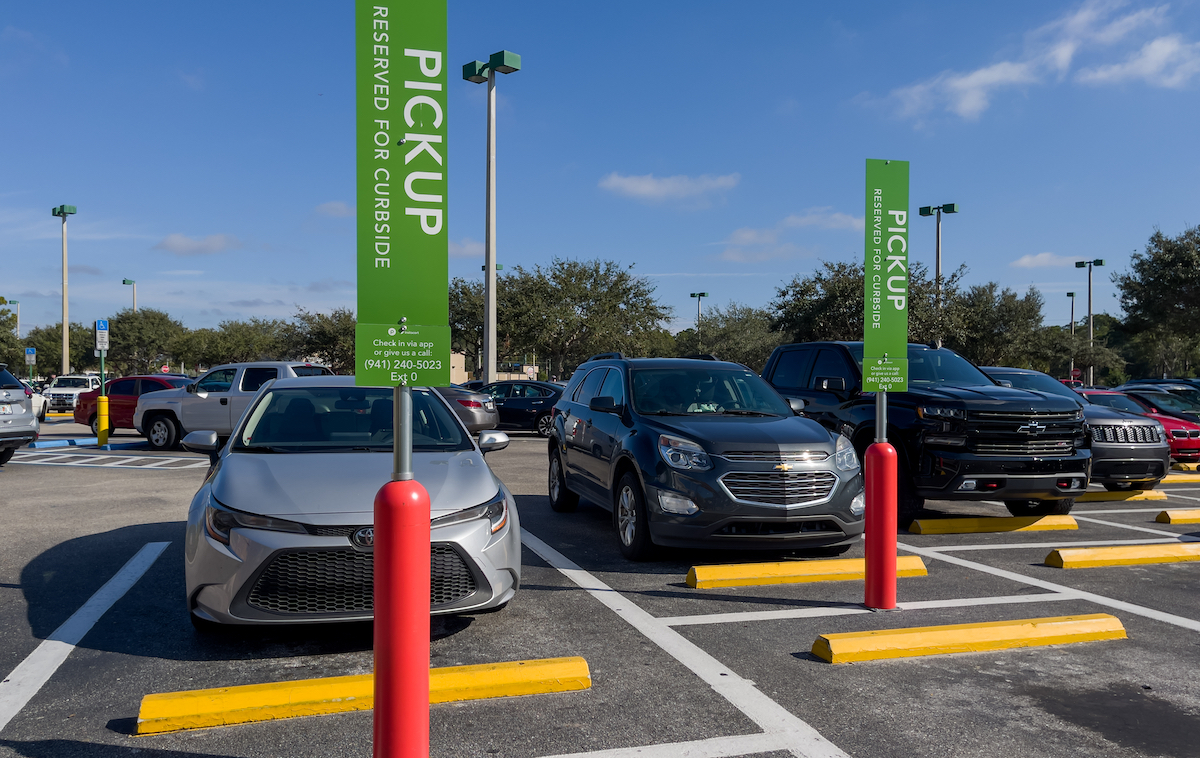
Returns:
point(555, 487)
point(626, 515)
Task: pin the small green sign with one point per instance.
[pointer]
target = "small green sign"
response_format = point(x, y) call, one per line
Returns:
point(403, 240)
point(885, 325)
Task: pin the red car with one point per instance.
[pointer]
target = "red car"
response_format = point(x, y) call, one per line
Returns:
point(1184, 436)
point(122, 398)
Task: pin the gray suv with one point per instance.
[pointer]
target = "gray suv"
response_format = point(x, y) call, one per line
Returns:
point(700, 453)
point(18, 423)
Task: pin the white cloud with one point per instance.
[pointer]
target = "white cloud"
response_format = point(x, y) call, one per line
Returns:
point(1042, 260)
point(824, 218)
point(751, 245)
point(335, 209)
point(762, 253)
point(187, 246)
point(182, 272)
point(1049, 53)
point(468, 248)
point(1164, 62)
point(655, 189)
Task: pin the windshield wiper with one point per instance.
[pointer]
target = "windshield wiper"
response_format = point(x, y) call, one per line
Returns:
point(668, 413)
point(259, 449)
point(743, 412)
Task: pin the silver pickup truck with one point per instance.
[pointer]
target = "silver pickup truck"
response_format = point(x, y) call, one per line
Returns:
point(214, 402)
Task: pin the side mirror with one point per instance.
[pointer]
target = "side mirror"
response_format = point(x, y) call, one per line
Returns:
point(203, 442)
point(797, 404)
point(191, 388)
point(832, 383)
point(604, 405)
point(489, 441)
point(1004, 382)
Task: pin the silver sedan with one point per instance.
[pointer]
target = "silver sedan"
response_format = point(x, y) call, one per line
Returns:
point(282, 529)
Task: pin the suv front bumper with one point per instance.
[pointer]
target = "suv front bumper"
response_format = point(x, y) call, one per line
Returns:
point(943, 475)
point(1118, 464)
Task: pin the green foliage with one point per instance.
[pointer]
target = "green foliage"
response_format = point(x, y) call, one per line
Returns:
point(327, 338)
point(141, 342)
point(48, 341)
point(12, 351)
point(1162, 286)
point(466, 320)
point(735, 333)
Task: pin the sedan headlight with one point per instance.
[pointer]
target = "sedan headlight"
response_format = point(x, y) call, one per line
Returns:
point(218, 520)
point(683, 454)
point(940, 412)
point(494, 510)
point(845, 458)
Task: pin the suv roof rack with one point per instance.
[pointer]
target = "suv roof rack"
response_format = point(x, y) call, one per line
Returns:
point(702, 357)
point(605, 356)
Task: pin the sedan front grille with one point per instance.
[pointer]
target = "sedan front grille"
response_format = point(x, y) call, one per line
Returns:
point(779, 487)
point(1182, 434)
point(775, 456)
point(1126, 434)
point(342, 581)
point(1026, 447)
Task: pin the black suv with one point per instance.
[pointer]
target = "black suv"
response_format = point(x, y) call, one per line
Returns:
point(700, 453)
point(959, 435)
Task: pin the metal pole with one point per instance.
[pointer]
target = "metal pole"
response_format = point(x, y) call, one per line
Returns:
point(66, 323)
point(18, 320)
point(937, 261)
point(1091, 331)
point(135, 297)
point(489, 249)
point(881, 416)
point(699, 340)
point(402, 434)
point(1071, 373)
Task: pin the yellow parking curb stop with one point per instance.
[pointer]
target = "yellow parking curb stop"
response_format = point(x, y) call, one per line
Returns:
point(1122, 555)
point(1105, 497)
point(1185, 466)
point(849, 647)
point(1179, 479)
point(793, 572)
point(196, 709)
point(998, 524)
point(1178, 517)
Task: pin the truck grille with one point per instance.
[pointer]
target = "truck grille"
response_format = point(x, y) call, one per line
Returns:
point(1125, 434)
point(1024, 417)
point(775, 456)
point(1026, 447)
point(319, 582)
point(779, 487)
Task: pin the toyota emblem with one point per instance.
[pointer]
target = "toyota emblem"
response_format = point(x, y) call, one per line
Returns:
point(364, 537)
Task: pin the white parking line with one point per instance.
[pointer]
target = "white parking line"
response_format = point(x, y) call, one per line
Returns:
point(1053, 545)
point(715, 747)
point(1077, 510)
point(778, 722)
point(822, 612)
point(1130, 527)
point(108, 461)
point(30, 674)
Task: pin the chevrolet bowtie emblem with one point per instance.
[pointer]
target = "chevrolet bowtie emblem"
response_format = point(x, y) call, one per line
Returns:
point(783, 467)
point(1033, 427)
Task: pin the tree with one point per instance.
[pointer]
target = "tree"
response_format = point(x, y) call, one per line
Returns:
point(1162, 287)
point(466, 321)
point(48, 342)
point(198, 347)
point(1000, 326)
point(328, 338)
point(735, 333)
point(254, 340)
point(141, 342)
point(12, 351)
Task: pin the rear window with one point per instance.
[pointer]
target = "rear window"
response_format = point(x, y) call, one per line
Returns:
point(311, 371)
point(8, 381)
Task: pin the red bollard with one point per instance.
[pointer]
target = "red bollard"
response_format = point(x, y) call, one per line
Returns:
point(402, 621)
point(880, 473)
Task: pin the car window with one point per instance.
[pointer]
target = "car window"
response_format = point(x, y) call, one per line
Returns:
point(613, 387)
point(706, 389)
point(522, 390)
point(123, 387)
point(791, 368)
point(1165, 400)
point(71, 382)
point(1120, 402)
point(1037, 383)
point(8, 381)
point(930, 367)
point(590, 385)
point(829, 365)
point(256, 376)
point(217, 381)
point(309, 371)
point(496, 390)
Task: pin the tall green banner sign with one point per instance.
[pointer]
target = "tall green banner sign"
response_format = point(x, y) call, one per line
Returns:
point(403, 333)
point(885, 324)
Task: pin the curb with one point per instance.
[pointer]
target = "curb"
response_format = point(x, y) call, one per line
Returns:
point(76, 442)
point(997, 524)
point(197, 709)
point(848, 647)
point(793, 572)
point(1179, 479)
point(1185, 466)
point(1122, 555)
point(1128, 495)
point(1178, 517)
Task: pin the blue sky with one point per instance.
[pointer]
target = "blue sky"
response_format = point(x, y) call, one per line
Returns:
point(714, 146)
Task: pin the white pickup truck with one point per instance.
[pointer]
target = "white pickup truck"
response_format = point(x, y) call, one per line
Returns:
point(63, 393)
point(214, 402)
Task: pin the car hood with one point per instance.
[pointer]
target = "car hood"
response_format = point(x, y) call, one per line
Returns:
point(1171, 422)
point(171, 394)
point(995, 398)
point(325, 488)
point(718, 434)
point(1098, 414)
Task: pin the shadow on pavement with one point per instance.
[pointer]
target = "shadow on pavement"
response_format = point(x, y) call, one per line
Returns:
point(68, 748)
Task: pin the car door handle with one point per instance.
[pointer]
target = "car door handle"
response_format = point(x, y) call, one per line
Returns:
point(224, 401)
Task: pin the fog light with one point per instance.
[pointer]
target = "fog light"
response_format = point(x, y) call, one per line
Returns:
point(858, 505)
point(672, 503)
point(967, 485)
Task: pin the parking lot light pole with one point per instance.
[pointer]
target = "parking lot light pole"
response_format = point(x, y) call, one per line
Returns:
point(1071, 372)
point(928, 210)
point(130, 281)
point(479, 72)
point(699, 299)
point(18, 304)
point(1091, 376)
point(64, 211)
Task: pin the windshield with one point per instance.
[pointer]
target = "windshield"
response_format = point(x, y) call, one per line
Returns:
point(1120, 402)
point(1038, 383)
point(705, 389)
point(343, 419)
point(68, 382)
point(932, 368)
point(1165, 400)
point(1190, 395)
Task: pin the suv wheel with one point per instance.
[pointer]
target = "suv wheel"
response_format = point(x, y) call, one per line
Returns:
point(562, 499)
point(629, 515)
point(1039, 507)
point(6, 455)
point(544, 425)
point(42, 415)
point(162, 432)
point(95, 425)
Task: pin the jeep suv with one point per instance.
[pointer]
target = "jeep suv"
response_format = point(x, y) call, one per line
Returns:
point(699, 453)
point(958, 434)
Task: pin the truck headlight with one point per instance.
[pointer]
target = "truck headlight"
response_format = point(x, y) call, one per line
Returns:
point(845, 458)
point(940, 412)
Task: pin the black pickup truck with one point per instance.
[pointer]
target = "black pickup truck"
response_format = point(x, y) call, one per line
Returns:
point(959, 435)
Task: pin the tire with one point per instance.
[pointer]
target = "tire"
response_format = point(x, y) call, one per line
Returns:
point(162, 432)
point(7, 454)
point(629, 517)
point(42, 415)
point(562, 500)
point(1039, 507)
point(94, 423)
point(543, 425)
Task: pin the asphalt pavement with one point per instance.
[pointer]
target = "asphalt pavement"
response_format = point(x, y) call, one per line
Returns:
point(676, 671)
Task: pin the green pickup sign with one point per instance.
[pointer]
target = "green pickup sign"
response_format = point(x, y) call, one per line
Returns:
point(885, 301)
point(402, 335)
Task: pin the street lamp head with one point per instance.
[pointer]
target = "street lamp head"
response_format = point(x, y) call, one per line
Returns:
point(699, 294)
point(1081, 264)
point(1070, 294)
point(949, 207)
point(62, 210)
point(475, 71)
point(505, 62)
point(128, 281)
point(926, 210)
point(1098, 262)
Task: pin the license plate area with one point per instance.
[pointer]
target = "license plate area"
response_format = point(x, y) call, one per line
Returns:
point(6, 410)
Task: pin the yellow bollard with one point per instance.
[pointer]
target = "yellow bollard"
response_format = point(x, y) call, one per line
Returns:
point(102, 420)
